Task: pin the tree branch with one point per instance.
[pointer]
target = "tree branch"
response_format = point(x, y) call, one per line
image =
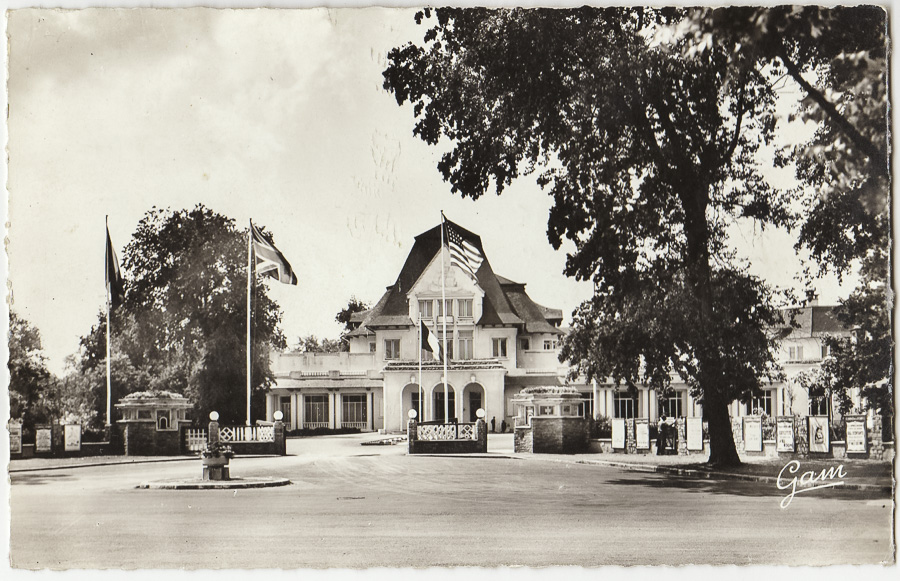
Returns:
point(877, 156)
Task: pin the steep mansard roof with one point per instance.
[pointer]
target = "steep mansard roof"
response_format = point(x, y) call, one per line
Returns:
point(812, 321)
point(505, 302)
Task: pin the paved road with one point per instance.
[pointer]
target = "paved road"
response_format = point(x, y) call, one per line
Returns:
point(373, 506)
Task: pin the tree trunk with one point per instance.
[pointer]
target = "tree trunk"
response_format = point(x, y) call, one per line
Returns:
point(722, 451)
point(715, 408)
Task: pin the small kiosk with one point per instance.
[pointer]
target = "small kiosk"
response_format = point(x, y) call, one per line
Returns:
point(151, 422)
point(549, 421)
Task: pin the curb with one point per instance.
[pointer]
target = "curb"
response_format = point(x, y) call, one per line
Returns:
point(123, 463)
point(236, 484)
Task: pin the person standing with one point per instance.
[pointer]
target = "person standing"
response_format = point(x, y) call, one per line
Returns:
point(493, 424)
point(661, 429)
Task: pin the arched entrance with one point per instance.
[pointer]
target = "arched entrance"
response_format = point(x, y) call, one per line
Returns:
point(409, 400)
point(473, 398)
point(437, 402)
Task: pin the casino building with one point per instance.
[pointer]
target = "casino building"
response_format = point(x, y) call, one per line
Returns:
point(499, 341)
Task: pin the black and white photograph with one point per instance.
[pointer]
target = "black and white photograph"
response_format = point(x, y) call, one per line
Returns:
point(496, 291)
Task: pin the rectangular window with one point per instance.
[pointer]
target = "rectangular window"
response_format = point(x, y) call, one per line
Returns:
point(426, 309)
point(372, 347)
point(549, 345)
point(315, 409)
point(499, 347)
point(466, 345)
point(760, 405)
point(524, 344)
point(818, 406)
point(623, 405)
point(826, 351)
point(392, 348)
point(449, 347)
point(449, 304)
point(353, 408)
point(672, 406)
point(284, 404)
point(795, 353)
point(464, 308)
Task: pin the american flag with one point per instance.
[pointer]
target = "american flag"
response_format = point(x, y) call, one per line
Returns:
point(463, 253)
point(269, 260)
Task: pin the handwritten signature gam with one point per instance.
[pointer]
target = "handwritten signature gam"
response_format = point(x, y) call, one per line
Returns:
point(810, 480)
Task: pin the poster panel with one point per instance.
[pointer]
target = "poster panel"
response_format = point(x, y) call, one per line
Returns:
point(642, 433)
point(818, 434)
point(857, 440)
point(694, 434)
point(618, 433)
point(784, 434)
point(43, 439)
point(753, 433)
point(73, 438)
point(15, 438)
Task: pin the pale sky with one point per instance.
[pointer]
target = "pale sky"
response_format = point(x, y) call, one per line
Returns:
point(273, 115)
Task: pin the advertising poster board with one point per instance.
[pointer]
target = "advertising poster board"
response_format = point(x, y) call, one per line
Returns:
point(15, 438)
point(857, 439)
point(43, 439)
point(784, 434)
point(753, 434)
point(73, 438)
point(642, 433)
point(694, 434)
point(618, 433)
point(818, 434)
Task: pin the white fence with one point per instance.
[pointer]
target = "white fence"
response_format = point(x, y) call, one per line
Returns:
point(445, 431)
point(195, 438)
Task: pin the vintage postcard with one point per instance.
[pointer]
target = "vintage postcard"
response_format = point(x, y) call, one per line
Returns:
point(403, 290)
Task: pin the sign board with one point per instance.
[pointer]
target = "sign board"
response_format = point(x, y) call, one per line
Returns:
point(618, 433)
point(73, 438)
point(857, 439)
point(784, 434)
point(15, 438)
point(43, 439)
point(694, 433)
point(642, 433)
point(753, 434)
point(818, 434)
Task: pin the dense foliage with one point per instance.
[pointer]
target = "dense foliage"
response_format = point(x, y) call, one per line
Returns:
point(183, 324)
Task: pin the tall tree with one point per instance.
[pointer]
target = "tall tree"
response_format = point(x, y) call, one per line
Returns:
point(648, 157)
point(182, 325)
point(33, 397)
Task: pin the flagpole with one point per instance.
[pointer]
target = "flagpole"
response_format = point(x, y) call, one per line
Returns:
point(108, 325)
point(444, 311)
point(249, 291)
point(420, 367)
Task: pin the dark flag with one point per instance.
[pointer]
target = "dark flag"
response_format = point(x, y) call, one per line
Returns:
point(114, 285)
point(269, 260)
point(430, 343)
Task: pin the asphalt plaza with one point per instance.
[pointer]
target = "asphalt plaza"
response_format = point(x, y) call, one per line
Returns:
point(353, 506)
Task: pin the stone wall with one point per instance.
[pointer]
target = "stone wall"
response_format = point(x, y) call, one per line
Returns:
point(559, 435)
point(143, 439)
